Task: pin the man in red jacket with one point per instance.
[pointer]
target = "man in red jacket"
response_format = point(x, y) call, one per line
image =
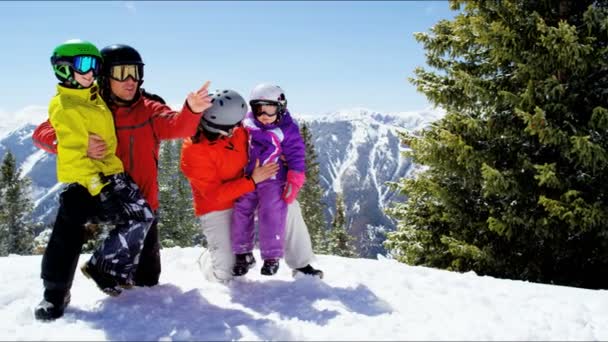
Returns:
point(141, 121)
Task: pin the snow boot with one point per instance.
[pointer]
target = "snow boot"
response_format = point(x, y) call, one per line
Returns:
point(105, 282)
point(53, 305)
point(243, 263)
point(308, 270)
point(270, 267)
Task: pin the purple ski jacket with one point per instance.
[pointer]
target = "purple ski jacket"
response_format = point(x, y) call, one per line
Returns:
point(268, 142)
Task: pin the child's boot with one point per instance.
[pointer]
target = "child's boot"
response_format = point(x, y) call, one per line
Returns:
point(270, 267)
point(243, 263)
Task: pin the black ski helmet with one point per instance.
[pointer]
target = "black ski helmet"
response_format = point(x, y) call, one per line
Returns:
point(118, 54)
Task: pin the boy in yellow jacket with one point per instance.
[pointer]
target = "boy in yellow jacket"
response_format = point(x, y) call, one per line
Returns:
point(108, 194)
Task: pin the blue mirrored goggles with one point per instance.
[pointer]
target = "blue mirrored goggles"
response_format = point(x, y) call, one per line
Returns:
point(84, 64)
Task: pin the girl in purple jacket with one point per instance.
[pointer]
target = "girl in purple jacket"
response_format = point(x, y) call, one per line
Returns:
point(273, 135)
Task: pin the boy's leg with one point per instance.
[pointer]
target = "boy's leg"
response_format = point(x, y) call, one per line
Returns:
point(148, 270)
point(241, 229)
point(298, 247)
point(272, 213)
point(216, 228)
point(118, 255)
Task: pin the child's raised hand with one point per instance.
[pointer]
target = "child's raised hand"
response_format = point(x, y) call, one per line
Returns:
point(199, 100)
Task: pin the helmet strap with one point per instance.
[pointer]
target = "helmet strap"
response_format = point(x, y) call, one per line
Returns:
point(66, 75)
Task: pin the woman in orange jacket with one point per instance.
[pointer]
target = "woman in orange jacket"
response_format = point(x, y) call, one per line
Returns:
point(213, 160)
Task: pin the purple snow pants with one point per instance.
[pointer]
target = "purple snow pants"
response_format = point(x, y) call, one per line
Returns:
point(272, 213)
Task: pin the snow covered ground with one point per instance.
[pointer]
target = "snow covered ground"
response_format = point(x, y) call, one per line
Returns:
point(359, 299)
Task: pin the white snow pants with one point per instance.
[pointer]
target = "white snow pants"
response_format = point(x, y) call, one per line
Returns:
point(216, 227)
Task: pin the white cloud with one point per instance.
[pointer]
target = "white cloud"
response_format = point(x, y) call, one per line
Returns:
point(33, 114)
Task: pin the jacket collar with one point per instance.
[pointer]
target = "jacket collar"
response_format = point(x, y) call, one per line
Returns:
point(90, 94)
point(114, 107)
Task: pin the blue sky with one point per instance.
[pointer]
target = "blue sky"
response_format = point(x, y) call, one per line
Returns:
point(326, 55)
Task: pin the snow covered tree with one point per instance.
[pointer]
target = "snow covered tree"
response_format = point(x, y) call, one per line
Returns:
point(371, 241)
point(16, 234)
point(177, 224)
point(340, 242)
point(42, 240)
point(517, 177)
point(311, 195)
point(320, 241)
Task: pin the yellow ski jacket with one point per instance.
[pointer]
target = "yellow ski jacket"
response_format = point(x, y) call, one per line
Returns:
point(74, 114)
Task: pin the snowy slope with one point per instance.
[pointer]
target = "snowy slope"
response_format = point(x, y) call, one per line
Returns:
point(359, 299)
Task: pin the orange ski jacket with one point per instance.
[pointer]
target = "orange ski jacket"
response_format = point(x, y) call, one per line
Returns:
point(215, 170)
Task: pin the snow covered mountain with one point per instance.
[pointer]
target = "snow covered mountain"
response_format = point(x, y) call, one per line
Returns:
point(15, 135)
point(358, 151)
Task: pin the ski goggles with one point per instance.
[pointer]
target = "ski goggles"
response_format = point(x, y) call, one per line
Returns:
point(271, 110)
point(122, 72)
point(84, 64)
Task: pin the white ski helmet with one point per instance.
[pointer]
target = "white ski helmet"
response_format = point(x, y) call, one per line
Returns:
point(268, 93)
point(228, 109)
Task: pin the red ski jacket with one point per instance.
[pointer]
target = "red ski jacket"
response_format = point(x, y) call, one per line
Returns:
point(139, 129)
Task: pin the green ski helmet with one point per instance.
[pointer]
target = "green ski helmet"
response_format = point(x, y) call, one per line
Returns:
point(75, 55)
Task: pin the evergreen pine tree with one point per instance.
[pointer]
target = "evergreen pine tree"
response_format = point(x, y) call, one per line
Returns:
point(518, 168)
point(321, 241)
point(177, 224)
point(311, 195)
point(15, 208)
point(340, 242)
point(4, 235)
